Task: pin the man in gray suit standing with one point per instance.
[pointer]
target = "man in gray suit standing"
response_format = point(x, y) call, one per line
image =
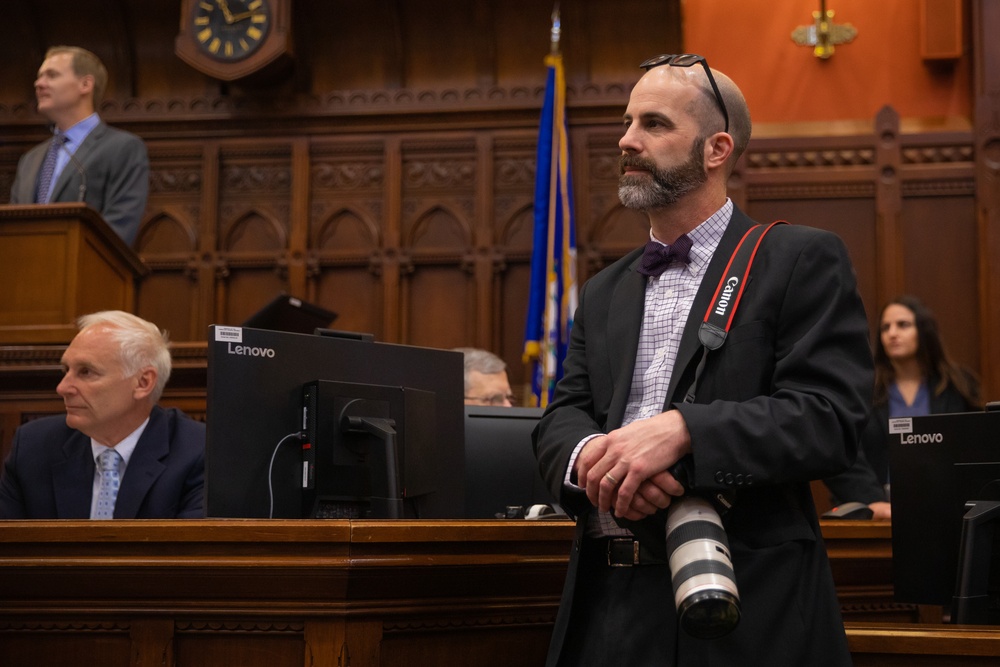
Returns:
point(85, 160)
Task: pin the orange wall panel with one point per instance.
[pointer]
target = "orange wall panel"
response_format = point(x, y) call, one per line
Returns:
point(784, 82)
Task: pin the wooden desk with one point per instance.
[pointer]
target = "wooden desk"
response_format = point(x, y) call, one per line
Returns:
point(389, 593)
point(358, 593)
point(273, 593)
point(923, 645)
point(860, 555)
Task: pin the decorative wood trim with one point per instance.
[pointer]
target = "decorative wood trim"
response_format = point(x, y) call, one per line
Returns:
point(386, 103)
point(213, 627)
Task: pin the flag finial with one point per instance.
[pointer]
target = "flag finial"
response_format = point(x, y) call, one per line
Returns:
point(556, 30)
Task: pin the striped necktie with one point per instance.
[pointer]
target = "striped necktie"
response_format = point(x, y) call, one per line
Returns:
point(107, 490)
point(48, 169)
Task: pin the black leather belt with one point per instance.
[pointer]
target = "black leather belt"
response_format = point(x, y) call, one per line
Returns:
point(623, 552)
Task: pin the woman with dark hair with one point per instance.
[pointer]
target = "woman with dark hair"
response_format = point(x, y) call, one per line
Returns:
point(914, 376)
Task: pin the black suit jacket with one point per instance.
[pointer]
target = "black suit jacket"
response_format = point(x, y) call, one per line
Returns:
point(780, 404)
point(49, 473)
point(117, 169)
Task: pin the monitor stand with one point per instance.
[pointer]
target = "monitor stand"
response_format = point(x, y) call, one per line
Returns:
point(973, 597)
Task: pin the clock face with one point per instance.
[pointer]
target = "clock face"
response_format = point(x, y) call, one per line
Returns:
point(230, 30)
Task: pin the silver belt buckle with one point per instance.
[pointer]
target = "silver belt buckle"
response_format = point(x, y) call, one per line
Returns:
point(635, 551)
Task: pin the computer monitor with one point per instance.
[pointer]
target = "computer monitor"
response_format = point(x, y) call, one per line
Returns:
point(937, 465)
point(500, 467)
point(257, 394)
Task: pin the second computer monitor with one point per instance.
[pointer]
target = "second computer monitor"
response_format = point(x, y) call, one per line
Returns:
point(500, 467)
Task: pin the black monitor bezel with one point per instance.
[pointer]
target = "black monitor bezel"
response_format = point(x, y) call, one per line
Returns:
point(254, 401)
point(932, 478)
point(508, 453)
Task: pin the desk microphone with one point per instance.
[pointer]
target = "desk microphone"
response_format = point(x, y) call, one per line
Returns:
point(80, 169)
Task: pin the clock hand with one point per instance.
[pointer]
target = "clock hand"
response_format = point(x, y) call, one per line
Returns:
point(224, 6)
point(239, 17)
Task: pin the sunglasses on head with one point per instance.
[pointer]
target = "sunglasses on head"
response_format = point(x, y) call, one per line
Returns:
point(688, 60)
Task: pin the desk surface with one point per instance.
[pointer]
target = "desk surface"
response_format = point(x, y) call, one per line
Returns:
point(326, 563)
point(338, 561)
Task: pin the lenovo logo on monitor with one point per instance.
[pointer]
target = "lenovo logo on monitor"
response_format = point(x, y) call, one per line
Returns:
point(250, 351)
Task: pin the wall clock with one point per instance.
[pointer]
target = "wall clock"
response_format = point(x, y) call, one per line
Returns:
point(232, 39)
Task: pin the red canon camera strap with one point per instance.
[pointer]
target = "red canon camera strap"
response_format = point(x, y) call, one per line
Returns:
point(719, 316)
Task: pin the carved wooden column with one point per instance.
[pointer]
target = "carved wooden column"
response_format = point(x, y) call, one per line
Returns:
point(484, 241)
point(986, 91)
point(888, 205)
point(392, 325)
point(298, 225)
point(208, 240)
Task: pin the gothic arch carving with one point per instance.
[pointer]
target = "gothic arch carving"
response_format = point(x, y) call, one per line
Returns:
point(619, 227)
point(165, 233)
point(347, 229)
point(517, 231)
point(439, 227)
point(254, 231)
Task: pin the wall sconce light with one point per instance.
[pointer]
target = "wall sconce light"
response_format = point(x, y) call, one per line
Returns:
point(823, 34)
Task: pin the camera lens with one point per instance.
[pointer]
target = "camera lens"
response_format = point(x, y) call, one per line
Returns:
point(701, 569)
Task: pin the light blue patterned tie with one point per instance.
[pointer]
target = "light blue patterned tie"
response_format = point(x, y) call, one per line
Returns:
point(48, 169)
point(107, 490)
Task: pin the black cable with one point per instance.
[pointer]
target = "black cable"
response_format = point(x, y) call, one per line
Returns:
point(298, 435)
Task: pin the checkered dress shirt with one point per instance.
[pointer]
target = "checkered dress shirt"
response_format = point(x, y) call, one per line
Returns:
point(667, 305)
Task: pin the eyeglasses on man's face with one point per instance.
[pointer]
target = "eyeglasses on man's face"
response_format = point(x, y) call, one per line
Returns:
point(495, 399)
point(689, 60)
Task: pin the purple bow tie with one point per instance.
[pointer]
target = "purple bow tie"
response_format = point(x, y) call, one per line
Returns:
point(657, 257)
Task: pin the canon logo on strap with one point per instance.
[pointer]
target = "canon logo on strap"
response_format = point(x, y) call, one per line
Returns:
point(727, 294)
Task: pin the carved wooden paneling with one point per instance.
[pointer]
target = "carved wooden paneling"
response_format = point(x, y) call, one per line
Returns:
point(606, 230)
point(504, 249)
point(425, 238)
point(171, 238)
point(904, 205)
point(381, 45)
point(170, 298)
point(852, 218)
point(255, 227)
point(381, 177)
point(939, 239)
point(346, 231)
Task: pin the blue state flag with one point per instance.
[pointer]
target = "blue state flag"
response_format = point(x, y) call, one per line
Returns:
point(553, 296)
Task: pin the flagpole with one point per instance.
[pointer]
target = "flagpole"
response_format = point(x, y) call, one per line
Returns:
point(548, 351)
point(552, 293)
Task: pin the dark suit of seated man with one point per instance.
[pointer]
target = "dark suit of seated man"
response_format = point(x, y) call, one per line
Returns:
point(115, 371)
